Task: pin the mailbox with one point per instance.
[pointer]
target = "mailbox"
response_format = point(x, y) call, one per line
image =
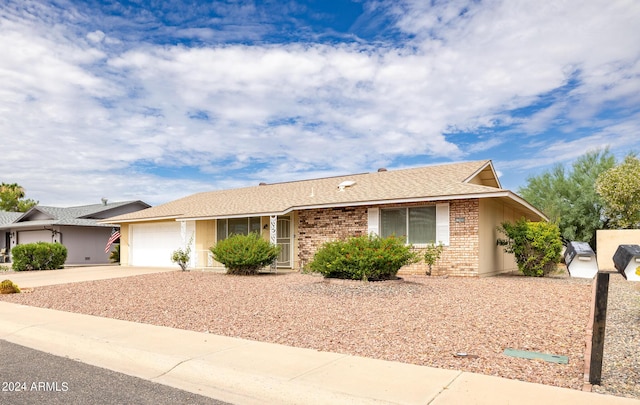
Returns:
point(627, 261)
point(581, 260)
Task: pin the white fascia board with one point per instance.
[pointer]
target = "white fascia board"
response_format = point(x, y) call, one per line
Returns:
point(253, 214)
point(132, 221)
point(524, 202)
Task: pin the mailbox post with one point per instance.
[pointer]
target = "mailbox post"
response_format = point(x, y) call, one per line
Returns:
point(627, 257)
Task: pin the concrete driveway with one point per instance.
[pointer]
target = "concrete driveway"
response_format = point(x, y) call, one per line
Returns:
point(39, 278)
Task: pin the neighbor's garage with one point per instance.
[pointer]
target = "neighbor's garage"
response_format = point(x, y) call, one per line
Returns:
point(152, 244)
point(34, 236)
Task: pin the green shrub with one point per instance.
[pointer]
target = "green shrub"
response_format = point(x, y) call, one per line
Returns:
point(536, 245)
point(244, 254)
point(114, 256)
point(182, 256)
point(363, 258)
point(39, 256)
point(8, 287)
point(432, 253)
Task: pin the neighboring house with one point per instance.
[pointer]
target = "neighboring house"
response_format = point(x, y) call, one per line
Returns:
point(460, 205)
point(5, 237)
point(78, 228)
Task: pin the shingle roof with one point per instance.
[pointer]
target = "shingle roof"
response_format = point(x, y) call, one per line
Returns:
point(84, 215)
point(8, 217)
point(424, 183)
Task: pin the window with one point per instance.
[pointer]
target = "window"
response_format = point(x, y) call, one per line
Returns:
point(234, 226)
point(417, 225)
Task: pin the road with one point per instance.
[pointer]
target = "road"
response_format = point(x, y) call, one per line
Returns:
point(29, 376)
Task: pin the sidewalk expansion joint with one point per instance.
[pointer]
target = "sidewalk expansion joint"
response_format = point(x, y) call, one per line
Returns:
point(446, 387)
point(318, 367)
point(27, 327)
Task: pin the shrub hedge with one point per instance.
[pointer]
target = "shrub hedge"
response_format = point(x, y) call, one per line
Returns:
point(38, 256)
point(536, 245)
point(244, 254)
point(363, 258)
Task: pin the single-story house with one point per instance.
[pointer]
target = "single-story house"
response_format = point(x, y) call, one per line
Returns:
point(78, 228)
point(460, 205)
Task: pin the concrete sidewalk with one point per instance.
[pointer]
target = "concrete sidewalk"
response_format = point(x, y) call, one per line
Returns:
point(249, 372)
point(39, 278)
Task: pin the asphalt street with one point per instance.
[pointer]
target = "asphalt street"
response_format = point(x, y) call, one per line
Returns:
point(29, 376)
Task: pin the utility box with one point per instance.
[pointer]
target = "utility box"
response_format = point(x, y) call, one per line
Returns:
point(581, 260)
point(627, 261)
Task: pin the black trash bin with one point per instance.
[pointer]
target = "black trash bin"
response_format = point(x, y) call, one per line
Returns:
point(581, 260)
point(627, 261)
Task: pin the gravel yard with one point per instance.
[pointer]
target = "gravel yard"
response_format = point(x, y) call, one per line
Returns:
point(418, 320)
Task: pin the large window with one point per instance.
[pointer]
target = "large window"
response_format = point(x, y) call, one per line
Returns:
point(417, 225)
point(233, 226)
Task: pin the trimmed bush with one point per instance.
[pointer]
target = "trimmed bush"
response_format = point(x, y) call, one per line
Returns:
point(363, 258)
point(39, 256)
point(536, 245)
point(8, 287)
point(244, 254)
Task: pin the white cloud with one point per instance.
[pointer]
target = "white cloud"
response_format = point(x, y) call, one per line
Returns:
point(84, 105)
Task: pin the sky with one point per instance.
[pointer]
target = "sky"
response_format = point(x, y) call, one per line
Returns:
point(156, 100)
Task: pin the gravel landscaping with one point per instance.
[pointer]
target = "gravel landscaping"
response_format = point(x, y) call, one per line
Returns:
point(420, 320)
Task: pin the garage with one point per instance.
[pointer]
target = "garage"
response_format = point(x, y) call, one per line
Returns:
point(152, 244)
point(34, 236)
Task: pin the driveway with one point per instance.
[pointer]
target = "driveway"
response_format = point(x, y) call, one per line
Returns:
point(39, 278)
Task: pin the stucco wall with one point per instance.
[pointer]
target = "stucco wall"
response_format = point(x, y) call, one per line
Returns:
point(205, 239)
point(607, 242)
point(86, 245)
point(493, 259)
point(124, 244)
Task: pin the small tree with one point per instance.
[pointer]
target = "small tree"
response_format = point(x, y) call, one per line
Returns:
point(431, 255)
point(536, 245)
point(245, 254)
point(182, 256)
point(568, 198)
point(619, 187)
point(12, 198)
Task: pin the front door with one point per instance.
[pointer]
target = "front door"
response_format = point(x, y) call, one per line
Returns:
point(284, 241)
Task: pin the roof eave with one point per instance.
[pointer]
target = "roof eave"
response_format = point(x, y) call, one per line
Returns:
point(496, 194)
point(115, 220)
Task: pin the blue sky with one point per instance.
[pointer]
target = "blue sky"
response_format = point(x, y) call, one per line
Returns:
point(156, 100)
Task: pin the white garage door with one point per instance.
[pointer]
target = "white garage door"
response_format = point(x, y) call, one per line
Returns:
point(34, 236)
point(152, 244)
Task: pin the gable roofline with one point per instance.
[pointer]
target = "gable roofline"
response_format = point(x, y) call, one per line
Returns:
point(67, 216)
point(35, 208)
point(486, 169)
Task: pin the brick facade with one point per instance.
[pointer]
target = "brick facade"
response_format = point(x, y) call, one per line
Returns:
point(460, 258)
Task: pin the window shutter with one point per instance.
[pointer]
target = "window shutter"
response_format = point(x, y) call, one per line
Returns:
point(442, 224)
point(373, 221)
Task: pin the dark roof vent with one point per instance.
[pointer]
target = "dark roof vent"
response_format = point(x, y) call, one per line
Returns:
point(262, 183)
point(382, 169)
